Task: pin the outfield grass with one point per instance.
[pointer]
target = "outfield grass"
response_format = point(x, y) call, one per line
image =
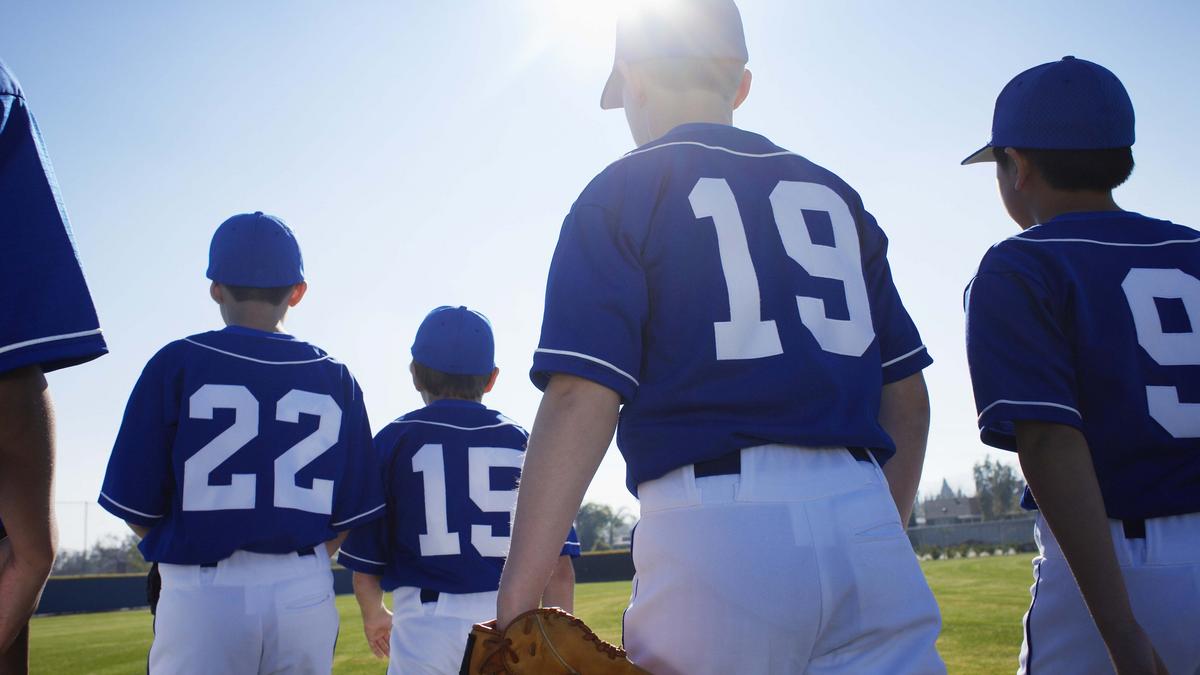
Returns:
point(982, 601)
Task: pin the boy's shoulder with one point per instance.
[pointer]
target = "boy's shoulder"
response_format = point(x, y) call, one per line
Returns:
point(441, 419)
point(234, 352)
point(702, 149)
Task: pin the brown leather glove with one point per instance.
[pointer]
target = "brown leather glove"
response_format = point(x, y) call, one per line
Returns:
point(545, 641)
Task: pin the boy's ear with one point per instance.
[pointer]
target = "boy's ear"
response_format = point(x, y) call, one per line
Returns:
point(216, 292)
point(1022, 169)
point(298, 292)
point(633, 82)
point(413, 371)
point(743, 89)
point(492, 381)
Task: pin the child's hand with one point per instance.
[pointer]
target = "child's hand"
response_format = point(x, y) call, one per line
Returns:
point(378, 628)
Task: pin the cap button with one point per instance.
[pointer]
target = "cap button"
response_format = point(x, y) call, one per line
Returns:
point(1068, 58)
point(462, 306)
point(258, 213)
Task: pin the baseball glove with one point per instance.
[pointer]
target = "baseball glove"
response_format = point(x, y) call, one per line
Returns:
point(545, 641)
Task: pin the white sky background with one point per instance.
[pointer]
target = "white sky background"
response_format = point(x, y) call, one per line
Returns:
point(426, 153)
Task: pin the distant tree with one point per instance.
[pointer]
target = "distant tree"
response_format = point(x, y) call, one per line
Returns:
point(592, 523)
point(110, 555)
point(998, 488)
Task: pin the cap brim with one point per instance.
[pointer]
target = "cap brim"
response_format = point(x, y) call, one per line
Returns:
point(984, 154)
point(612, 97)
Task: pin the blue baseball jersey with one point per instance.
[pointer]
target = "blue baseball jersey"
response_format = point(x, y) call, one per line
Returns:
point(734, 294)
point(46, 313)
point(1092, 320)
point(451, 469)
point(240, 439)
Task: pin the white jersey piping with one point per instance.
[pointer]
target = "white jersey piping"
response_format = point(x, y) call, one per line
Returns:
point(51, 338)
point(247, 358)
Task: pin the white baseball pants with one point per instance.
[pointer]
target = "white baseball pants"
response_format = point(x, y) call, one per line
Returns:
point(798, 564)
point(430, 638)
point(251, 613)
point(1162, 576)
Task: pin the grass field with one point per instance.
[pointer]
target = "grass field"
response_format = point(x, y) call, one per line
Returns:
point(982, 600)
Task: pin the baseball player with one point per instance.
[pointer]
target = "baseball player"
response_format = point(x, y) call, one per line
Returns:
point(244, 452)
point(451, 470)
point(1083, 336)
point(47, 322)
point(733, 301)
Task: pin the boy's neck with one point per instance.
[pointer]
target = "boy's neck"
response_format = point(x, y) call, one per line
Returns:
point(430, 400)
point(703, 110)
point(267, 319)
point(1055, 203)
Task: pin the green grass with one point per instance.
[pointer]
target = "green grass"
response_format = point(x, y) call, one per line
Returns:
point(982, 602)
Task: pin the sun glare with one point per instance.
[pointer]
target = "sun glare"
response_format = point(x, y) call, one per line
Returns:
point(577, 29)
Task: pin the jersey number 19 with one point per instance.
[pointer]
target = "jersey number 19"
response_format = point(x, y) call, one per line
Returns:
point(746, 335)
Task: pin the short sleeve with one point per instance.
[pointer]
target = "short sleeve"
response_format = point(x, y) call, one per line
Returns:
point(365, 548)
point(138, 484)
point(901, 351)
point(46, 313)
point(359, 494)
point(1019, 356)
point(596, 304)
point(571, 547)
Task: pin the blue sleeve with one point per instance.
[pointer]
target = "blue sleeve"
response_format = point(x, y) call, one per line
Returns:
point(571, 547)
point(596, 304)
point(901, 351)
point(138, 485)
point(366, 547)
point(1020, 358)
point(46, 313)
point(359, 495)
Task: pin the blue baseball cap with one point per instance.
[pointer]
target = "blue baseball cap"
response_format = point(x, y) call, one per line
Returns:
point(1069, 104)
point(456, 340)
point(709, 29)
point(255, 250)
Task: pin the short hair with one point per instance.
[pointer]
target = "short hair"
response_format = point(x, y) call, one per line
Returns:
point(1077, 170)
point(273, 296)
point(720, 76)
point(450, 385)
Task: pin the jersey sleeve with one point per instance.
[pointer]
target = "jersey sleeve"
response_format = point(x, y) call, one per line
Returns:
point(596, 304)
point(366, 547)
point(359, 495)
point(138, 485)
point(901, 351)
point(46, 313)
point(1019, 357)
point(571, 547)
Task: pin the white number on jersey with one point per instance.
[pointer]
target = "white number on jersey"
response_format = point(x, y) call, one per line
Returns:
point(430, 462)
point(200, 495)
point(1142, 286)
point(746, 335)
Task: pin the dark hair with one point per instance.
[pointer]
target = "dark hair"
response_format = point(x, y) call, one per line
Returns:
point(271, 296)
point(450, 385)
point(1077, 170)
point(721, 76)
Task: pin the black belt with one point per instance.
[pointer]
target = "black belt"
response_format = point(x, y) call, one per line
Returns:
point(429, 595)
point(300, 552)
point(1135, 528)
point(730, 464)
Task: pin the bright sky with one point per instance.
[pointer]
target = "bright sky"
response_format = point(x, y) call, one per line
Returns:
point(426, 153)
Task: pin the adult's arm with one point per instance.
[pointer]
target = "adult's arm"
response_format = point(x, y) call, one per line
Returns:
point(560, 590)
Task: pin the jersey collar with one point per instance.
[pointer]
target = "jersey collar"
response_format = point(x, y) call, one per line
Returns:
point(254, 332)
point(456, 403)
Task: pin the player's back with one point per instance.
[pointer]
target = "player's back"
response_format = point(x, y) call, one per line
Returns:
point(451, 470)
point(748, 301)
point(1124, 294)
point(258, 441)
